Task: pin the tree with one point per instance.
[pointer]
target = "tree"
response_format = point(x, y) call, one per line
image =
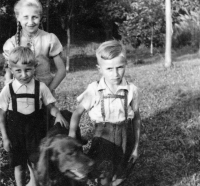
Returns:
point(144, 23)
point(168, 44)
point(64, 11)
point(110, 12)
point(186, 22)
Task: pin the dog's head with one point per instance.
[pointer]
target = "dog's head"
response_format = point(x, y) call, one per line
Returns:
point(62, 156)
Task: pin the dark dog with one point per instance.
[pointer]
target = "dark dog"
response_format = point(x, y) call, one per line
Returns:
point(61, 160)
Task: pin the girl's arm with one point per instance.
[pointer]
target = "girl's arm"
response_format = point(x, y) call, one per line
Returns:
point(76, 116)
point(56, 113)
point(8, 76)
point(7, 47)
point(60, 74)
point(6, 141)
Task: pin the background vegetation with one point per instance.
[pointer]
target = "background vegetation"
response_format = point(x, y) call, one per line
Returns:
point(169, 148)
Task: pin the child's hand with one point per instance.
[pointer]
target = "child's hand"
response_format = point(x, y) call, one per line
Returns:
point(5, 55)
point(60, 119)
point(7, 145)
point(134, 155)
point(72, 134)
point(116, 181)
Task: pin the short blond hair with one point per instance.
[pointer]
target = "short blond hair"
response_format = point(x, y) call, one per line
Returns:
point(109, 50)
point(23, 55)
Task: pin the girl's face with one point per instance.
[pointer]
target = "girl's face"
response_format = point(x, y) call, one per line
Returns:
point(29, 17)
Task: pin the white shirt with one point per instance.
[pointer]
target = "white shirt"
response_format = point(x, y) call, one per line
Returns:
point(114, 107)
point(25, 105)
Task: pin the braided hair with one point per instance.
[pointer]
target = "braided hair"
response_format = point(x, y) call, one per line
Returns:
point(18, 5)
point(18, 35)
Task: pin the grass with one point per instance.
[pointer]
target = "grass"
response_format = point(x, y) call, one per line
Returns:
point(170, 107)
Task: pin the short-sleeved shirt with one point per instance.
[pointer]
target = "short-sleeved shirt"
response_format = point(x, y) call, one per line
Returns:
point(25, 105)
point(114, 107)
point(45, 46)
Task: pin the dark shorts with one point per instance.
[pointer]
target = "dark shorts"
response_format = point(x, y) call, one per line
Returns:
point(25, 133)
point(112, 145)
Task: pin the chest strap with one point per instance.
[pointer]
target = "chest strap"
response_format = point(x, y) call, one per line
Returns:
point(114, 96)
point(36, 96)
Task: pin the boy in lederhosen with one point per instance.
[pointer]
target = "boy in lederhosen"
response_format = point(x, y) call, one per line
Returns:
point(113, 107)
point(21, 115)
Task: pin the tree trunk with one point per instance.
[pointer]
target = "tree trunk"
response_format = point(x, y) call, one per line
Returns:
point(47, 28)
point(72, 30)
point(68, 49)
point(10, 28)
point(168, 39)
point(151, 46)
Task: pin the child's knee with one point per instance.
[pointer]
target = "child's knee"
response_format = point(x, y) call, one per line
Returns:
point(20, 168)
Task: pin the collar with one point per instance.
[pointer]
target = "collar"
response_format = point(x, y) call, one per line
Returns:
point(17, 85)
point(122, 86)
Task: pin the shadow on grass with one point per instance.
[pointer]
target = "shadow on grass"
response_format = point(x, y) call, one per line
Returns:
point(186, 57)
point(169, 148)
point(90, 62)
point(83, 63)
point(79, 63)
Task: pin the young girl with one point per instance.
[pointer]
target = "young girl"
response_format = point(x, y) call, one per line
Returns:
point(21, 113)
point(44, 45)
point(113, 105)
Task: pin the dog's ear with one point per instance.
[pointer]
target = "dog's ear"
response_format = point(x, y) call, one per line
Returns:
point(43, 166)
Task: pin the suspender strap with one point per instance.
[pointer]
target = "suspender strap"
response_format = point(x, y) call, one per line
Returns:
point(13, 97)
point(24, 95)
point(114, 96)
point(36, 96)
point(102, 107)
point(126, 104)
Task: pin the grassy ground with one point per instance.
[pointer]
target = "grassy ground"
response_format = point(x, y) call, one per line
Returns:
point(170, 111)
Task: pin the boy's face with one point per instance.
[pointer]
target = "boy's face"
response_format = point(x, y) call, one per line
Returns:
point(113, 70)
point(29, 18)
point(22, 72)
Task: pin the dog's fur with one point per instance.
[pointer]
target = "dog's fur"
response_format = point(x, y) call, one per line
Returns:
point(61, 160)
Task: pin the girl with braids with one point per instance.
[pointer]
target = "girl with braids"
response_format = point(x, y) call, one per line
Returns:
point(44, 45)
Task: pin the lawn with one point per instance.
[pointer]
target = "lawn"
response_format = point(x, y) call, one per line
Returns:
point(170, 111)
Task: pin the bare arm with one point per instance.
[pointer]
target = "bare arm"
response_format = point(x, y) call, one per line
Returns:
point(8, 76)
point(60, 74)
point(56, 113)
point(6, 141)
point(76, 116)
point(136, 125)
point(3, 124)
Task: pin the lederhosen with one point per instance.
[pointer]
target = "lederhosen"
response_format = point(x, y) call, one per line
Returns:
point(112, 143)
point(25, 131)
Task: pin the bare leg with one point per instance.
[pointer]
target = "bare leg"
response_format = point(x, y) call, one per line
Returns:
point(117, 182)
point(32, 181)
point(20, 175)
point(105, 180)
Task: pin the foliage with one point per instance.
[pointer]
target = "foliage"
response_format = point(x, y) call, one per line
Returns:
point(133, 21)
point(186, 22)
point(110, 11)
point(140, 19)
